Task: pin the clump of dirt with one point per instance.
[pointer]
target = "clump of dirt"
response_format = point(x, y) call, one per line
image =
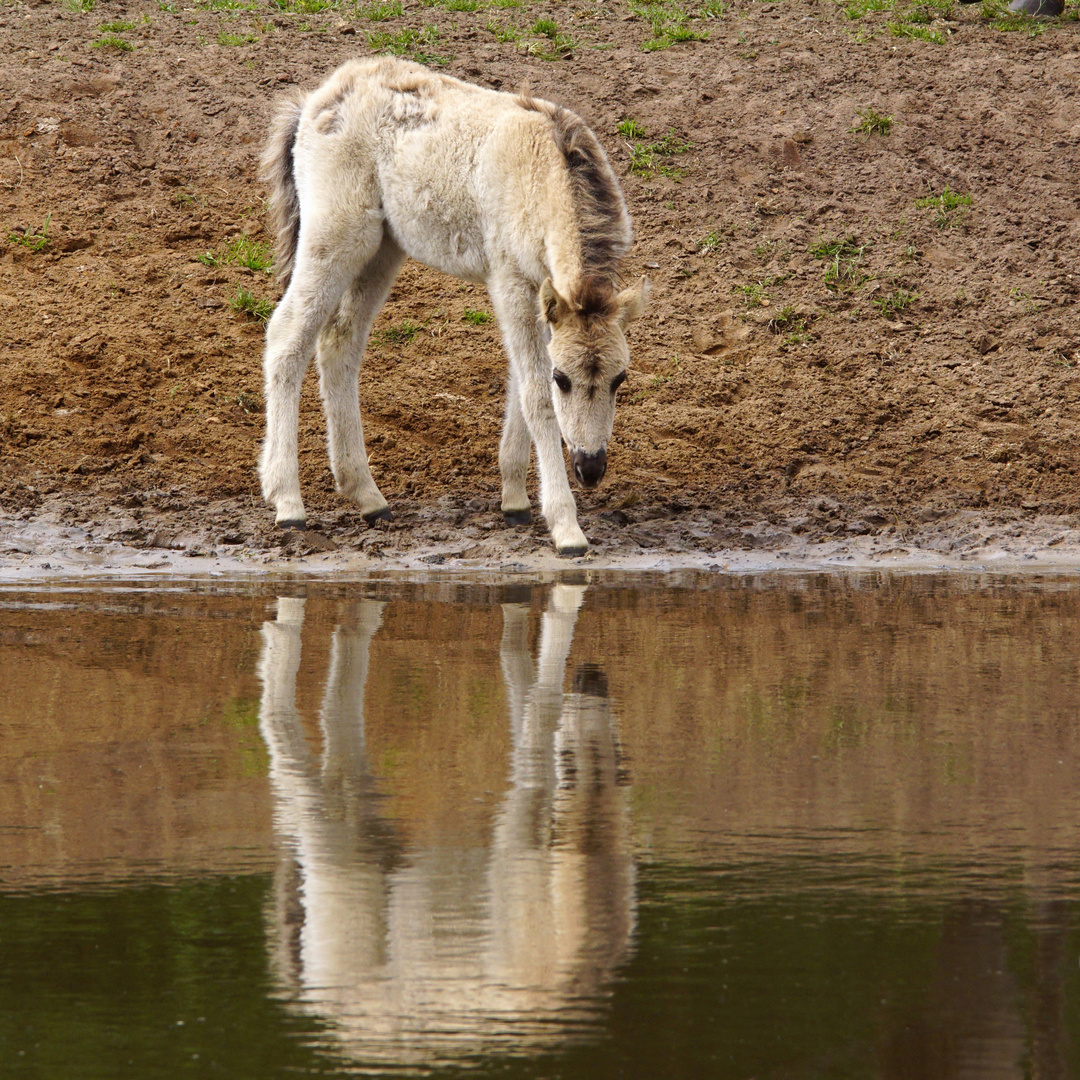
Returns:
point(861, 229)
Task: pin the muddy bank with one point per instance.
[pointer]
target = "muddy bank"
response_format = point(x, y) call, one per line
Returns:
point(172, 533)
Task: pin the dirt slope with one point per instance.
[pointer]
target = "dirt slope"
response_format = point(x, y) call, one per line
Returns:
point(781, 386)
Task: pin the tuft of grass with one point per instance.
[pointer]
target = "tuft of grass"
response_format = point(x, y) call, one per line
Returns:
point(915, 31)
point(34, 241)
point(669, 24)
point(303, 7)
point(111, 41)
point(401, 334)
point(793, 324)
point(630, 129)
point(475, 318)
point(859, 8)
point(408, 42)
point(896, 302)
point(117, 26)
point(82, 6)
point(243, 251)
point(504, 33)
point(380, 12)
point(997, 13)
point(753, 295)
point(843, 261)
point(253, 254)
point(245, 301)
point(553, 44)
point(950, 207)
point(225, 38)
point(709, 242)
point(871, 122)
point(645, 157)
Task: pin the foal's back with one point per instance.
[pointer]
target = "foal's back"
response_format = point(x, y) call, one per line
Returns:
point(460, 173)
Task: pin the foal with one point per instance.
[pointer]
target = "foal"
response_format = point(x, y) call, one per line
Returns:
point(388, 160)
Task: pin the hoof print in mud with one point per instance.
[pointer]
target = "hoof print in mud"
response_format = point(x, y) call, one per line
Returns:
point(517, 517)
point(374, 518)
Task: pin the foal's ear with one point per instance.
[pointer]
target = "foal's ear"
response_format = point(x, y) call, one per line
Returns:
point(553, 305)
point(631, 302)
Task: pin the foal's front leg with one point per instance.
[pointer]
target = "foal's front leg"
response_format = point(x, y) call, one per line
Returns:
point(516, 304)
point(514, 450)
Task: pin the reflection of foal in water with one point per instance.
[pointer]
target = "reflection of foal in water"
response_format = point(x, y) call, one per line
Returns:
point(426, 954)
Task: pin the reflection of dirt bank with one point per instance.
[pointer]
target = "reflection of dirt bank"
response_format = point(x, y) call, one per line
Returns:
point(157, 533)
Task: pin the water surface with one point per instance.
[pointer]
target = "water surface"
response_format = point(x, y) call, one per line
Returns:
point(738, 827)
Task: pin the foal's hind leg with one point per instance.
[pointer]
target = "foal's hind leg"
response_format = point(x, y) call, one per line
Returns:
point(340, 350)
point(317, 285)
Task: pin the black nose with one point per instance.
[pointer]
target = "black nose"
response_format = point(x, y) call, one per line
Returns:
point(590, 468)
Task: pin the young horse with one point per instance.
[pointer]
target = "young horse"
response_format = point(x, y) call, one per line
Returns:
point(388, 159)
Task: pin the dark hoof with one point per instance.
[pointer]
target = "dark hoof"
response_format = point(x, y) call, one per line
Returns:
point(517, 517)
point(297, 523)
point(571, 552)
point(1038, 7)
point(379, 515)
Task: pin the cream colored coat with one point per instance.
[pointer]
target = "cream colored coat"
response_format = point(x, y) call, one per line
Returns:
point(388, 160)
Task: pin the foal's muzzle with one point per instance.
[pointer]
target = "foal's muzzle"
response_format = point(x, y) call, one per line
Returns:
point(589, 468)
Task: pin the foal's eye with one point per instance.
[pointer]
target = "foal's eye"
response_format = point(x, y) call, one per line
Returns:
point(618, 381)
point(562, 381)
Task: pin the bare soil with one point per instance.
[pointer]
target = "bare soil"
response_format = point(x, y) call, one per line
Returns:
point(923, 396)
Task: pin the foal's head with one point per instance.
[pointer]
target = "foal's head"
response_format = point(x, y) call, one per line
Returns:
point(589, 356)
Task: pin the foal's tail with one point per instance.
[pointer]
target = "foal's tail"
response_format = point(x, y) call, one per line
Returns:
point(276, 170)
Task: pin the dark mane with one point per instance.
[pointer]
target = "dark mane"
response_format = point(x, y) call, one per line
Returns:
point(598, 205)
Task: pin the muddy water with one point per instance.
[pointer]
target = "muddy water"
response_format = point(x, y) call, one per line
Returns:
point(746, 827)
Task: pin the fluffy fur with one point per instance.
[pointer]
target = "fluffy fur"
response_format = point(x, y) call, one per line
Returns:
point(387, 160)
